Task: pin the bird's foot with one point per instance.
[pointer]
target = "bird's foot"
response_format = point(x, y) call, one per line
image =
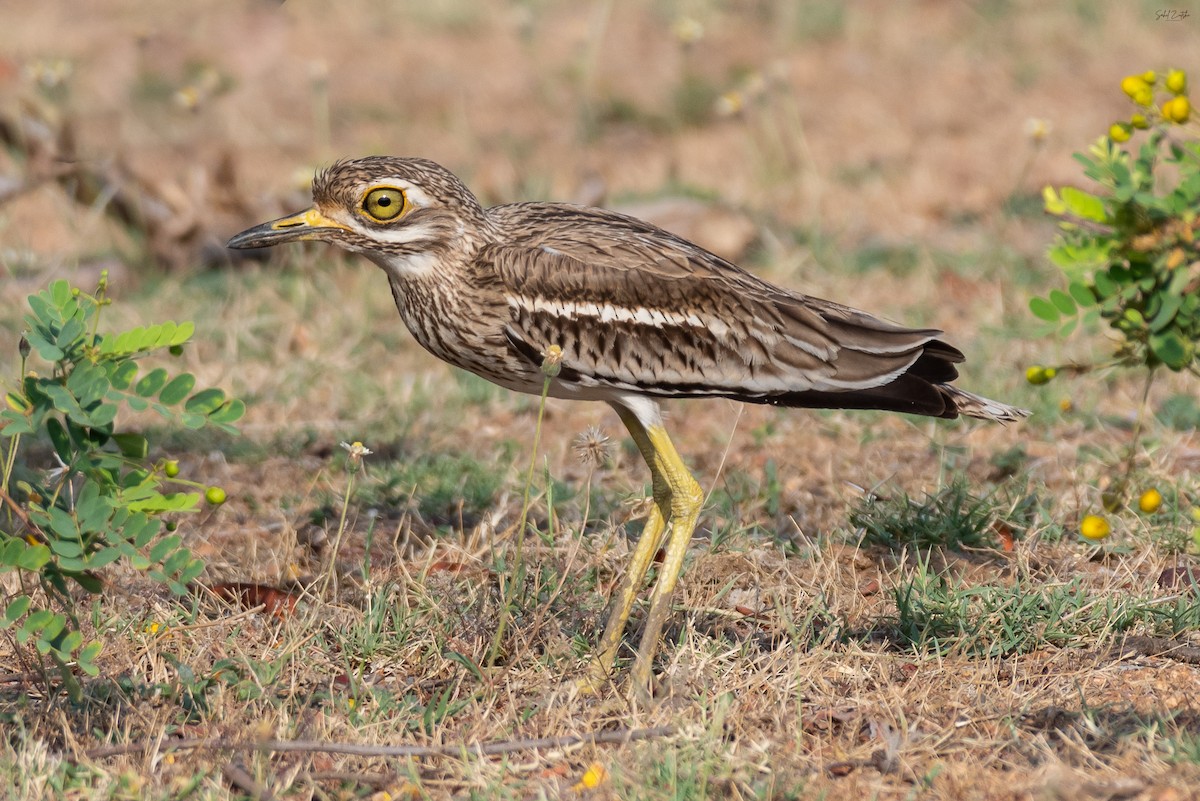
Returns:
point(597, 677)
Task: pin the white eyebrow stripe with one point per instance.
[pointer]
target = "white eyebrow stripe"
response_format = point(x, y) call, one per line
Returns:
point(400, 234)
point(416, 195)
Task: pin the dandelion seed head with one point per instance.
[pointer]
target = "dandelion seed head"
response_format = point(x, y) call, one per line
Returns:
point(591, 446)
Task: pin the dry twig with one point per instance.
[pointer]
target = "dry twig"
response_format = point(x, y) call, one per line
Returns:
point(239, 777)
point(1161, 646)
point(614, 736)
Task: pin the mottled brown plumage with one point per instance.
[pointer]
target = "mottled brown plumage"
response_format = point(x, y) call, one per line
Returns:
point(638, 313)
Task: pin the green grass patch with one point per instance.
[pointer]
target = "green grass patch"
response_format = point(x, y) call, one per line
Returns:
point(443, 488)
point(1183, 748)
point(950, 518)
point(935, 612)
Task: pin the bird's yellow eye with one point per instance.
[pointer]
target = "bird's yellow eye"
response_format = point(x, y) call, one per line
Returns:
point(384, 204)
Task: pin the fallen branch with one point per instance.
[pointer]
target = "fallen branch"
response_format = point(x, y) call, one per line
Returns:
point(351, 777)
point(240, 778)
point(357, 749)
point(1160, 646)
point(15, 678)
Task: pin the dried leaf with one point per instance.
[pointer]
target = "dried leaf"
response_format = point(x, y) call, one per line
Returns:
point(1004, 533)
point(1177, 577)
point(274, 601)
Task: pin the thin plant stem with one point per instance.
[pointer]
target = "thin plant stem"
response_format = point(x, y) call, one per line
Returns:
point(1137, 427)
point(337, 541)
point(519, 561)
point(96, 318)
point(587, 498)
point(10, 460)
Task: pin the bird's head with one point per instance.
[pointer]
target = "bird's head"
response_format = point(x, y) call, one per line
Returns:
point(393, 210)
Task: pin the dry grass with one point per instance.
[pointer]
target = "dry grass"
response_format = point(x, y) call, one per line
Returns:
point(877, 148)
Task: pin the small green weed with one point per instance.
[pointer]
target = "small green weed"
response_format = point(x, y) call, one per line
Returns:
point(447, 488)
point(950, 518)
point(103, 499)
point(32, 769)
point(740, 496)
point(935, 612)
point(1183, 748)
point(694, 99)
point(813, 20)
point(1180, 412)
point(679, 771)
point(1130, 253)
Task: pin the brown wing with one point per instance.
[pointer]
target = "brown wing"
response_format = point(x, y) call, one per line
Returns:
point(636, 308)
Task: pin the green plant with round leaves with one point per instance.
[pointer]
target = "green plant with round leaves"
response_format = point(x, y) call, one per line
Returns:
point(103, 499)
point(1130, 249)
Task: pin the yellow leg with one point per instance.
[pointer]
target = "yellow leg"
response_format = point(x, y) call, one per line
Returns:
point(639, 565)
point(677, 502)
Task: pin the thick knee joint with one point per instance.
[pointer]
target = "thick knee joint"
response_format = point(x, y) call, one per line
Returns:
point(687, 498)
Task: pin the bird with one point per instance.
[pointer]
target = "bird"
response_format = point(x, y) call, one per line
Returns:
point(587, 303)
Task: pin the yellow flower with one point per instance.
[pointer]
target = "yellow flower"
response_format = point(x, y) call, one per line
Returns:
point(1132, 84)
point(1139, 121)
point(1094, 527)
point(1176, 82)
point(1150, 76)
point(1038, 375)
point(1177, 109)
point(552, 361)
point(1150, 501)
point(595, 776)
point(357, 452)
point(1119, 132)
